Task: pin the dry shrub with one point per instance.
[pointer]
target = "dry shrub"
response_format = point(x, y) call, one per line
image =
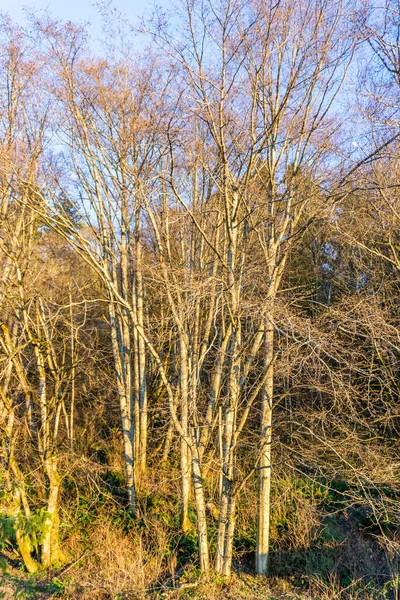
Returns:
point(122, 564)
point(333, 590)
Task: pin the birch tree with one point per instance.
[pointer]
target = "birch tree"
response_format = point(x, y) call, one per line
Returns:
point(262, 79)
point(108, 131)
point(34, 374)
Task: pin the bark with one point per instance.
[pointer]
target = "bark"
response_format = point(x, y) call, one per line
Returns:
point(125, 408)
point(20, 501)
point(223, 559)
point(185, 463)
point(70, 425)
point(141, 352)
point(265, 465)
point(25, 548)
point(200, 509)
point(50, 550)
point(169, 436)
point(226, 524)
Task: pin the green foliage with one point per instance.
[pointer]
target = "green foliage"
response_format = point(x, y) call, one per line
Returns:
point(33, 526)
point(57, 587)
point(245, 542)
point(162, 508)
point(339, 485)
point(190, 574)
point(124, 520)
point(114, 480)
point(390, 587)
point(312, 490)
point(3, 566)
point(7, 530)
point(333, 531)
point(87, 510)
point(187, 547)
point(32, 588)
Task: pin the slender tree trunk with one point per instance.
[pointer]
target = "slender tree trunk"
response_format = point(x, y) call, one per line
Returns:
point(71, 432)
point(141, 350)
point(126, 411)
point(229, 534)
point(226, 522)
point(200, 509)
point(50, 551)
point(185, 466)
point(223, 559)
point(169, 436)
point(136, 384)
point(262, 545)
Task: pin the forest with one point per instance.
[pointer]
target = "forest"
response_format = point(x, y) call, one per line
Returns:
point(199, 289)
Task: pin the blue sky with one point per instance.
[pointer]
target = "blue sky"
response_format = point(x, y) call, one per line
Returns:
point(79, 10)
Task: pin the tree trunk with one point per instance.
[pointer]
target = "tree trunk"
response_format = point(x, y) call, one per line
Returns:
point(264, 490)
point(143, 413)
point(25, 549)
point(185, 466)
point(128, 427)
point(200, 509)
point(223, 559)
point(50, 551)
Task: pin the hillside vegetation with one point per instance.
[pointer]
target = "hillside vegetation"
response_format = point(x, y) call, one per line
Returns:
point(199, 289)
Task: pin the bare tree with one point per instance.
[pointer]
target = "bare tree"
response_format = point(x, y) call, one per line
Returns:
point(110, 142)
point(261, 81)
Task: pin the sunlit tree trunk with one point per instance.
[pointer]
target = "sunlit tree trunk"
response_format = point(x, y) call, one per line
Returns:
point(185, 459)
point(265, 464)
point(201, 517)
point(141, 355)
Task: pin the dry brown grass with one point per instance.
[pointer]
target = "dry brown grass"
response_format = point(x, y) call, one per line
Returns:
point(333, 590)
point(120, 565)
